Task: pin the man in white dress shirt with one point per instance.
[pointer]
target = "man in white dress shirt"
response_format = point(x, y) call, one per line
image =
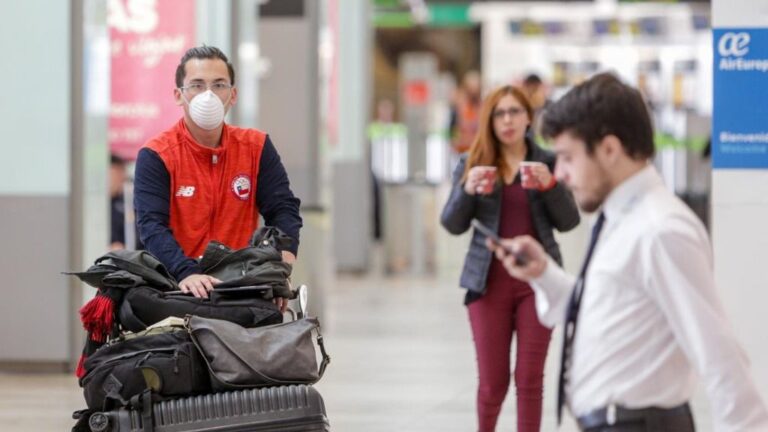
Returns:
point(645, 317)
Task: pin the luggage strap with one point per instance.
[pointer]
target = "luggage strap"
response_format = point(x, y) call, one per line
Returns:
point(143, 402)
point(326, 357)
point(128, 318)
point(112, 387)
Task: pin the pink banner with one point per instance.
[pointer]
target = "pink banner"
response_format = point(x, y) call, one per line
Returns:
point(148, 38)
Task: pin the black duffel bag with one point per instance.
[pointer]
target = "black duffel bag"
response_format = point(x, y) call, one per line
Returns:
point(163, 360)
point(143, 306)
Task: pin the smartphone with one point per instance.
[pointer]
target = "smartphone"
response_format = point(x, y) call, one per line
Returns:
point(520, 259)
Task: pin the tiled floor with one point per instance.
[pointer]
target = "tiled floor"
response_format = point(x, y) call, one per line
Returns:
point(402, 360)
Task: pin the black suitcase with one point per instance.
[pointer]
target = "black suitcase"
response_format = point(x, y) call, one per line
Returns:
point(292, 408)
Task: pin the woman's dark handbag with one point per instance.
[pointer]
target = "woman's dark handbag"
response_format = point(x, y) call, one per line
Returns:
point(163, 360)
point(240, 357)
point(143, 306)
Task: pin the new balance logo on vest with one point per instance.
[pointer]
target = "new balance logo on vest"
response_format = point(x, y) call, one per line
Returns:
point(185, 191)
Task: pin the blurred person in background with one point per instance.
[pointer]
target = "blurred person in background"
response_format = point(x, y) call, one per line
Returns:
point(643, 319)
point(385, 112)
point(381, 132)
point(464, 112)
point(204, 180)
point(117, 177)
point(537, 93)
point(487, 186)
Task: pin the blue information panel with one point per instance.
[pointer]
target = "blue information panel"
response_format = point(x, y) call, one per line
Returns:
point(740, 117)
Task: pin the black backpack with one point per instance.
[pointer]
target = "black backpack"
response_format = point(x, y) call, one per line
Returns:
point(163, 360)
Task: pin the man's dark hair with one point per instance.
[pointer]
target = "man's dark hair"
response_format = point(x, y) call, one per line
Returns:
point(532, 79)
point(602, 106)
point(202, 52)
point(116, 160)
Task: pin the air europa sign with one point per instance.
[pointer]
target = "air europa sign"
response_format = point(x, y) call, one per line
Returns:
point(733, 47)
point(740, 122)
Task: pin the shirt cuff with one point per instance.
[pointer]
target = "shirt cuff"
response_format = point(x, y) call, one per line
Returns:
point(189, 270)
point(293, 247)
point(553, 290)
point(551, 185)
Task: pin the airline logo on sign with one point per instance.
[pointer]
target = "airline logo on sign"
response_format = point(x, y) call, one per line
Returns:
point(733, 44)
point(732, 48)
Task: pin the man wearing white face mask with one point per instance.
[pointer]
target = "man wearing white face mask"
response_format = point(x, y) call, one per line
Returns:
point(204, 180)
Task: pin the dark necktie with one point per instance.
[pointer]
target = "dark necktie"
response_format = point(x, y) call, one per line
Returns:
point(572, 313)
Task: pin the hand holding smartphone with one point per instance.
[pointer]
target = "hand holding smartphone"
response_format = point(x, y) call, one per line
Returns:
point(520, 258)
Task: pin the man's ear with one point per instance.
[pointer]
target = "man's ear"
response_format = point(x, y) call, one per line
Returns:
point(609, 149)
point(178, 97)
point(233, 99)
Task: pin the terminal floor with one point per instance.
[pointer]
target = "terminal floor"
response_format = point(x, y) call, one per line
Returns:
point(402, 360)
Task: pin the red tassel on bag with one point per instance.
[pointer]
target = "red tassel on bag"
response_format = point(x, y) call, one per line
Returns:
point(97, 317)
point(80, 371)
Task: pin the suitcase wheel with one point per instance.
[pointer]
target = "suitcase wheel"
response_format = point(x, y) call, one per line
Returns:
point(99, 422)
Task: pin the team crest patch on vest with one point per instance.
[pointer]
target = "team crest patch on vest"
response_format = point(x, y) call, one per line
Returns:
point(241, 186)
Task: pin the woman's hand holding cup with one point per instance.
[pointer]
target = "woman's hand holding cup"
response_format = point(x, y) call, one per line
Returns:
point(535, 175)
point(481, 180)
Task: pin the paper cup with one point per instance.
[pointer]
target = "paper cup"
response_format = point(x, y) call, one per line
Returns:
point(489, 175)
point(527, 179)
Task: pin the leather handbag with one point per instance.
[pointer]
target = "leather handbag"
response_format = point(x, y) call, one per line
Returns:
point(239, 357)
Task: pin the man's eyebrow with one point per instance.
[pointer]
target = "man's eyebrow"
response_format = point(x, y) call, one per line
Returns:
point(200, 80)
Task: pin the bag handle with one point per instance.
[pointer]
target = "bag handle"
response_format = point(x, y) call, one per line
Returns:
point(128, 318)
point(326, 357)
point(302, 293)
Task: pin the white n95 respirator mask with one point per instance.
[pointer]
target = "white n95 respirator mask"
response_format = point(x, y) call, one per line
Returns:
point(206, 110)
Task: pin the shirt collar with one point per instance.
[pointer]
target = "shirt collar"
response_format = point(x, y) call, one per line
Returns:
point(626, 194)
point(199, 148)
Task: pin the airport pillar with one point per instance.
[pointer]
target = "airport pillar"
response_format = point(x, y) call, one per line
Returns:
point(351, 171)
point(740, 170)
